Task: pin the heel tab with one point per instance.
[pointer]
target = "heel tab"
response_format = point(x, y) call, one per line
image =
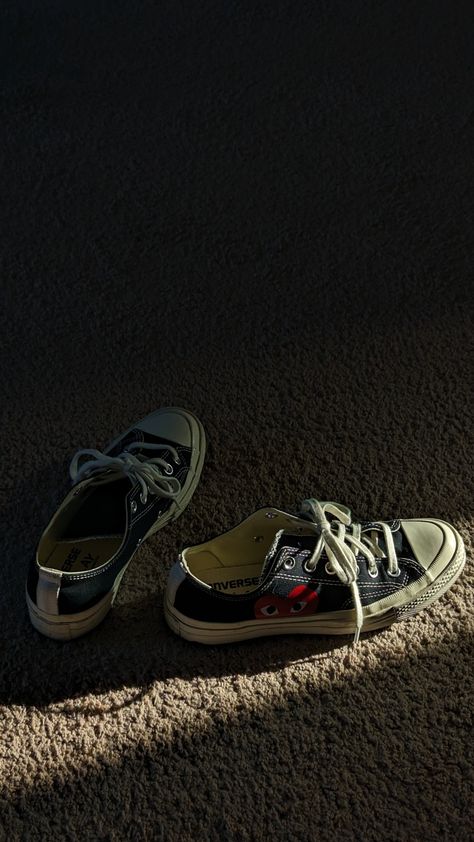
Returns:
point(47, 590)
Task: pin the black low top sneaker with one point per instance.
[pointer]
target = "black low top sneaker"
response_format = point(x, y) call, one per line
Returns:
point(315, 573)
point(141, 482)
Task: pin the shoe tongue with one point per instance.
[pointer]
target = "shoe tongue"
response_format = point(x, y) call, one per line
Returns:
point(132, 436)
point(396, 535)
point(287, 543)
point(137, 435)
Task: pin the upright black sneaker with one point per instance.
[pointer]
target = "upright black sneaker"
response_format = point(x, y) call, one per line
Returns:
point(141, 482)
point(314, 573)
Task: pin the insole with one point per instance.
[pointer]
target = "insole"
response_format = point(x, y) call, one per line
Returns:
point(83, 554)
point(234, 580)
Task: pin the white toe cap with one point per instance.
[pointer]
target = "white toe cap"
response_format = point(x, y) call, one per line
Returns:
point(176, 425)
point(430, 540)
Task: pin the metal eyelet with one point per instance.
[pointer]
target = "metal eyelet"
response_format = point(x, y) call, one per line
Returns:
point(271, 515)
point(133, 507)
point(329, 569)
point(168, 470)
point(142, 500)
point(289, 563)
point(177, 460)
point(373, 575)
point(396, 574)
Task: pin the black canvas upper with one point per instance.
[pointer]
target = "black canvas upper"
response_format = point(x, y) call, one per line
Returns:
point(112, 508)
point(286, 572)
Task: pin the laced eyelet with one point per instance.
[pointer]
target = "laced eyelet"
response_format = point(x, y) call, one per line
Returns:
point(177, 460)
point(307, 569)
point(142, 499)
point(289, 563)
point(396, 574)
point(329, 569)
point(168, 470)
point(373, 575)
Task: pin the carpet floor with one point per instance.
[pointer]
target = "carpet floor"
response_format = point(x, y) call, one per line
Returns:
point(263, 212)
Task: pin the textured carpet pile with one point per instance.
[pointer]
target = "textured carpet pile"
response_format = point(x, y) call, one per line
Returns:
point(262, 212)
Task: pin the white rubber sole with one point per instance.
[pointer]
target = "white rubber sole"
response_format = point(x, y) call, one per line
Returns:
point(70, 626)
point(330, 623)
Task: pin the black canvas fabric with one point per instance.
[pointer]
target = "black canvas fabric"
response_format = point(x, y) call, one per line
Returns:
point(104, 512)
point(200, 603)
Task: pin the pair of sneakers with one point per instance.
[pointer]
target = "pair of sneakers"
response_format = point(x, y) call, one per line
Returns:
point(312, 572)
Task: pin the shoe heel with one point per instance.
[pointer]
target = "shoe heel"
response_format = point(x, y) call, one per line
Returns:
point(69, 626)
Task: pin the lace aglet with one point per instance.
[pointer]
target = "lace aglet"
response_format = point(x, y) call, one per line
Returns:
point(356, 637)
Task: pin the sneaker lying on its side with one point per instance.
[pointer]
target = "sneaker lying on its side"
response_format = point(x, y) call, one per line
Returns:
point(280, 574)
point(141, 482)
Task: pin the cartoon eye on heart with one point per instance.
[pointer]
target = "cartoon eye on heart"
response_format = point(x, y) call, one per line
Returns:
point(270, 606)
point(302, 601)
point(269, 610)
point(298, 607)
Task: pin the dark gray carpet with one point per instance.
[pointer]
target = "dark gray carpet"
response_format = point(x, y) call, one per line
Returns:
point(263, 212)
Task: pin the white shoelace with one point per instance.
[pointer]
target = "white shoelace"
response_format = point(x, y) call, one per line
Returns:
point(153, 475)
point(342, 558)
